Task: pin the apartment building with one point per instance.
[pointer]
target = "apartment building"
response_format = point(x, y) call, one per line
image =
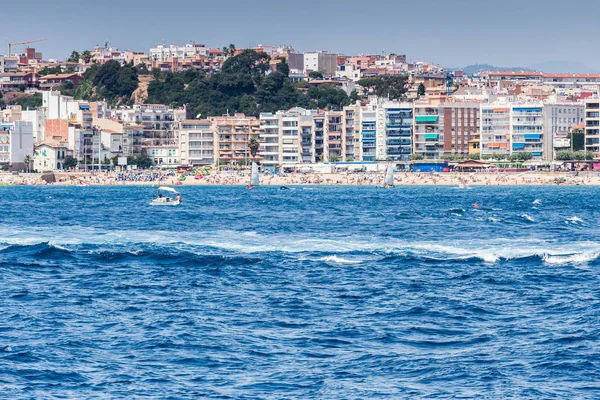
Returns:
point(196, 142)
point(398, 129)
point(287, 138)
point(512, 128)
point(368, 133)
point(527, 130)
point(495, 129)
point(161, 52)
point(326, 63)
point(159, 134)
point(351, 129)
point(16, 142)
point(592, 125)
point(459, 124)
point(428, 140)
point(559, 120)
point(232, 134)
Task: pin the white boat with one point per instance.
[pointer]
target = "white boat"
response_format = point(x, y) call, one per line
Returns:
point(254, 177)
point(171, 197)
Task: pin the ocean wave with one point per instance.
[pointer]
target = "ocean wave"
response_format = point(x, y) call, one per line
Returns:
point(527, 217)
point(574, 220)
point(338, 250)
point(338, 260)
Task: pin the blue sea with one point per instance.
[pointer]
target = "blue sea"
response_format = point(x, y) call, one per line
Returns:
point(311, 293)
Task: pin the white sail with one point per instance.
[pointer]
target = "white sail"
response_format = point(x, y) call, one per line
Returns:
point(389, 176)
point(254, 181)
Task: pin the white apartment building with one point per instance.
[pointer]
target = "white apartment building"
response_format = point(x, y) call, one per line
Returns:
point(196, 142)
point(514, 127)
point(16, 142)
point(287, 138)
point(161, 52)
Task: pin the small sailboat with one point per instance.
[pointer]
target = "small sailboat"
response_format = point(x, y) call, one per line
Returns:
point(254, 178)
point(388, 181)
point(171, 197)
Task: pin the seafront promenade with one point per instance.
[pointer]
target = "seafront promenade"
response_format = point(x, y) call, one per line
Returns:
point(344, 178)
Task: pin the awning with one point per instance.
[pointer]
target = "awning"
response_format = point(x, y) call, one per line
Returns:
point(167, 189)
point(537, 153)
point(518, 145)
point(426, 118)
point(431, 136)
point(533, 136)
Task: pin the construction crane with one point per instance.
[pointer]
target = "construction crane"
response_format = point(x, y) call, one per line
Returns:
point(24, 42)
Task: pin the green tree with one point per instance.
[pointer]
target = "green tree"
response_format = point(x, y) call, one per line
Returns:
point(421, 89)
point(28, 102)
point(416, 156)
point(354, 97)
point(143, 161)
point(474, 156)
point(87, 56)
point(74, 57)
point(50, 71)
point(334, 158)
point(328, 96)
point(578, 138)
point(315, 75)
point(27, 161)
point(69, 163)
point(253, 145)
point(283, 67)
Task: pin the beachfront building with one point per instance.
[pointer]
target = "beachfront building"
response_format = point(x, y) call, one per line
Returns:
point(495, 129)
point(232, 134)
point(527, 130)
point(559, 120)
point(459, 124)
point(159, 135)
point(368, 133)
point(50, 155)
point(398, 128)
point(16, 143)
point(351, 130)
point(428, 140)
point(287, 138)
point(196, 142)
point(592, 126)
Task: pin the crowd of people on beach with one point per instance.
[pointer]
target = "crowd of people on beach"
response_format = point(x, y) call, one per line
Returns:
point(242, 177)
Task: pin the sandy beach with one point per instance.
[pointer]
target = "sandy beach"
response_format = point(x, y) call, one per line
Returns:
point(342, 178)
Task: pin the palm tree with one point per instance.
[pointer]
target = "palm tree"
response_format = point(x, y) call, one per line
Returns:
point(27, 160)
point(253, 145)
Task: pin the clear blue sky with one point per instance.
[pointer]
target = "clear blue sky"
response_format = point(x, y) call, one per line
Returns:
point(452, 33)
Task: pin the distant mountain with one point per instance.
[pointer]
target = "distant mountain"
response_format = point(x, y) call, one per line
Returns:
point(553, 67)
point(472, 69)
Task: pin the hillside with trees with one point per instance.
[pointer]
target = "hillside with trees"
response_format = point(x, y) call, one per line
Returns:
point(245, 84)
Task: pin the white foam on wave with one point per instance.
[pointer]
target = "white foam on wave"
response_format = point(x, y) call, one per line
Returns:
point(338, 260)
point(527, 217)
point(337, 247)
point(537, 202)
point(574, 220)
point(579, 258)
